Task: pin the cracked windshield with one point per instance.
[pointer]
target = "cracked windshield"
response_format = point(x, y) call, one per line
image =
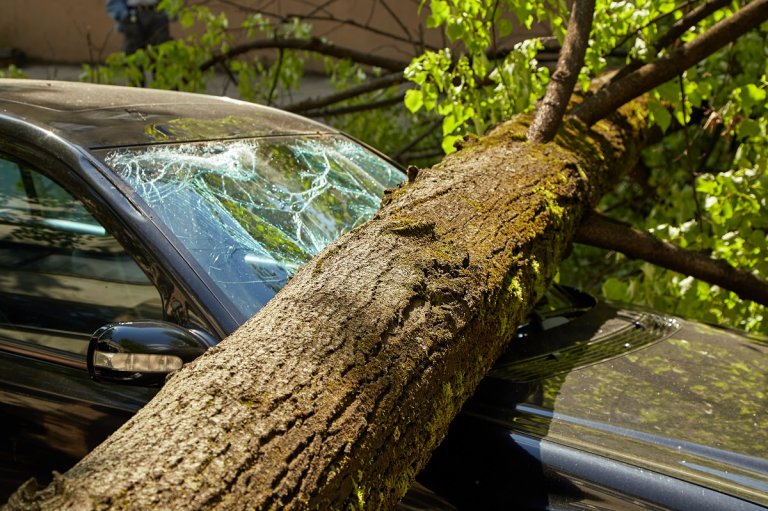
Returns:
point(250, 212)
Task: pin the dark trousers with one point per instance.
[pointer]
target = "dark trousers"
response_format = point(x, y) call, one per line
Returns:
point(144, 26)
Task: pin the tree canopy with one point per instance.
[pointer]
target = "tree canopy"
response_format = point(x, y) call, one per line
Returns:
point(701, 188)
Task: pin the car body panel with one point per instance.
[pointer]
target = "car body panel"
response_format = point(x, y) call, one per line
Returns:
point(689, 406)
point(94, 116)
point(53, 415)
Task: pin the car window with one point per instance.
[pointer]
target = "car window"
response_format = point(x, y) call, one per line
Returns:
point(255, 209)
point(62, 276)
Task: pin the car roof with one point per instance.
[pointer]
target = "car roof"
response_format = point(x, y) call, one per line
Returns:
point(96, 116)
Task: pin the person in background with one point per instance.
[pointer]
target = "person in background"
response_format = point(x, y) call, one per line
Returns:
point(140, 22)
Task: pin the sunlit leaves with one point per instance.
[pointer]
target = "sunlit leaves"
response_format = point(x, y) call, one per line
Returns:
point(708, 179)
point(706, 189)
point(184, 63)
point(469, 90)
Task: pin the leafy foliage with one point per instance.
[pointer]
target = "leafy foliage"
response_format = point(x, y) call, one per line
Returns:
point(12, 72)
point(705, 187)
point(196, 62)
point(187, 63)
point(463, 85)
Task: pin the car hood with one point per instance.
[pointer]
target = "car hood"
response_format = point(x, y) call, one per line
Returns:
point(690, 402)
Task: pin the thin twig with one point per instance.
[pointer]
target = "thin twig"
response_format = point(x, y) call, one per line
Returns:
point(655, 21)
point(277, 69)
point(349, 22)
point(364, 107)
point(421, 155)
point(399, 23)
point(413, 143)
point(689, 20)
point(675, 31)
point(314, 45)
point(364, 88)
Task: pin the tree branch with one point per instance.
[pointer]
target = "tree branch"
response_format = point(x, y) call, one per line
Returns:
point(356, 24)
point(651, 75)
point(276, 80)
point(335, 392)
point(363, 107)
point(675, 31)
point(315, 45)
point(689, 20)
point(550, 112)
point(425, 154)
point(364, 88)
point(600, 231)
point(397, 155)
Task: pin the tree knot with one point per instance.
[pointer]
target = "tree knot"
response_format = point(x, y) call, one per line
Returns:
point(412, 228)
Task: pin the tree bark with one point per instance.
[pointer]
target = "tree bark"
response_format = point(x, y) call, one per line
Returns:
point(336, 392)
point(549, 113)
point(690, 19)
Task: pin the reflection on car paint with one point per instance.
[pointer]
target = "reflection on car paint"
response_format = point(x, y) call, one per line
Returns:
point(61, 275)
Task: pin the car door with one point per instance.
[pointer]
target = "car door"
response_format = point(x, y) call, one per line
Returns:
point(62, 276)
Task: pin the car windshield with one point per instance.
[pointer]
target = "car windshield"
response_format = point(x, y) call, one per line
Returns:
point(250, 212)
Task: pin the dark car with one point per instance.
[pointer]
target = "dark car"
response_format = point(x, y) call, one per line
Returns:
point(138, 228)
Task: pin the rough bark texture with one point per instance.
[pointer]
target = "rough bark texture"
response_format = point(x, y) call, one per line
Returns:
point(600, 231)
point(336, 392)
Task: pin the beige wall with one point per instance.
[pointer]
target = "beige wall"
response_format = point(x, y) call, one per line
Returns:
point(75, 31)
point(58, 30)
point(81, 31)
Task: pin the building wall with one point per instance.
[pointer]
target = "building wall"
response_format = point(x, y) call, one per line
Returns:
point(58, 31)
point(77, 31)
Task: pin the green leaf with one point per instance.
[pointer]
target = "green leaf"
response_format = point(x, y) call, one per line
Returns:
point(660, 115)
point(503, 27)
point(615, 289)
point(449, 142)
point(439, 12)
point(414, 100)
point(454, 30)
point(429, 96)
point(750, 96)
point(187, 18)
point(748, 128)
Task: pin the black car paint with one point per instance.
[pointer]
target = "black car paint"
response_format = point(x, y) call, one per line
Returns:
point(487, 460)
point(586, 445)
point(186, 300)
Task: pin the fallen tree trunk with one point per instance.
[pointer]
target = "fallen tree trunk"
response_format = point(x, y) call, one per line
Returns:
point(337, 391)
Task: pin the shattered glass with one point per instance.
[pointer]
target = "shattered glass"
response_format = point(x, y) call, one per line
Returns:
point(250, 212)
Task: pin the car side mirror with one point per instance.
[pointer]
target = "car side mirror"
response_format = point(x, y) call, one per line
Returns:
point(142, 352)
